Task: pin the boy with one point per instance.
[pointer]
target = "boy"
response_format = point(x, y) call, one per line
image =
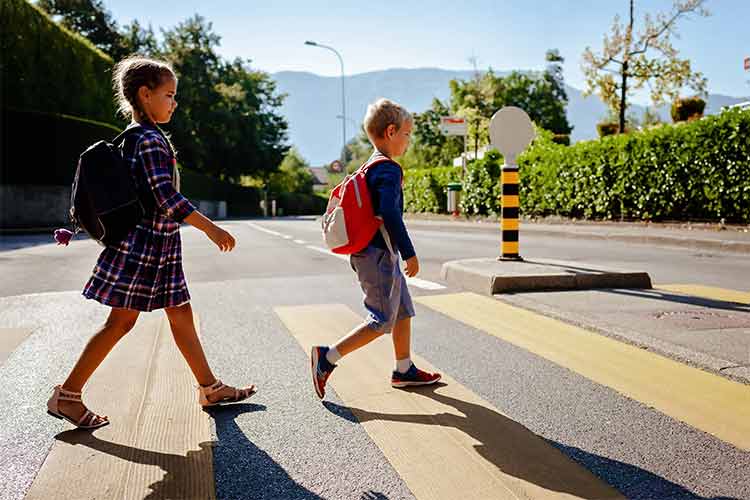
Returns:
point(387, 298)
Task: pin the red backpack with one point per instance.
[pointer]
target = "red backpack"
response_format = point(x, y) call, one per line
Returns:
point(350, 223)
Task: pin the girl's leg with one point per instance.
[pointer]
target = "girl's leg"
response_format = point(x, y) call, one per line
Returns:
point(186, 338)
point(119, 322)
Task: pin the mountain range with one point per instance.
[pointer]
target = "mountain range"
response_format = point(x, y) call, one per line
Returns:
point(313, 104)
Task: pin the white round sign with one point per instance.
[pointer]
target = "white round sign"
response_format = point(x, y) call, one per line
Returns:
point(511, 131)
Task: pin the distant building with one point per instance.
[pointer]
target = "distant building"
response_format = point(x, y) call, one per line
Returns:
point(320, 178)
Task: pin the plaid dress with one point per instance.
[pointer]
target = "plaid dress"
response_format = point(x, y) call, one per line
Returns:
point(144, 272)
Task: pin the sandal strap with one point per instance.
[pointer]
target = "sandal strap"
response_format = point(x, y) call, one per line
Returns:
point(64, 395)
point(216, 386)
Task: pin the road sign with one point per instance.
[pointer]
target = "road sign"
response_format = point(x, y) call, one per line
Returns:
point(747, 64)
point(511, 131)
point(453, 125)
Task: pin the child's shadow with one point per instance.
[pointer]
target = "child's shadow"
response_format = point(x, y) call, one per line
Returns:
point(241, 469)
point(514, 449)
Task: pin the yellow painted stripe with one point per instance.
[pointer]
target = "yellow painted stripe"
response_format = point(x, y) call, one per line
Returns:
point(158, 442)
point(10, 338)
point(509, 224)
point(510, 247)
point(510, 201)
point(444, 441)
point(509, 177)
point(709, 292)
point(708, 402)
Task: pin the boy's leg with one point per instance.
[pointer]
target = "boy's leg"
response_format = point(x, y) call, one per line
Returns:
point(402, 344)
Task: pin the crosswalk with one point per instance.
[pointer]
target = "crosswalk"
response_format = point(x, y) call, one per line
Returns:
point(161, 447)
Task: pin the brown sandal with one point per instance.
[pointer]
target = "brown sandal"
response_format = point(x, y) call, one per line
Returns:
point(89, 419)
point(239, 394)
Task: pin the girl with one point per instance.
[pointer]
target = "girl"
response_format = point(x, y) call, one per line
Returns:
point(144, 272)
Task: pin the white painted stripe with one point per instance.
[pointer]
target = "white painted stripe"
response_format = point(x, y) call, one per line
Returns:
point(301, 242)
point(416, 282)
point(263, 229)
point(327, 252)
point(424, 284)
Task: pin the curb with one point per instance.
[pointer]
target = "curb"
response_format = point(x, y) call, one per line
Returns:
point(732, 246)
point(474, 275)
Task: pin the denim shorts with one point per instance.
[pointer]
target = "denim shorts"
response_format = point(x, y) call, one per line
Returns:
point(387, 297)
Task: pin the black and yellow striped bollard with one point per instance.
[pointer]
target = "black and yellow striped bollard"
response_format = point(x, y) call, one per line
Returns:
point(511, 131)
point(509, 218)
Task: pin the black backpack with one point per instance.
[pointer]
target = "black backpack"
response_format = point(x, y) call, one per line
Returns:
point(104, 200)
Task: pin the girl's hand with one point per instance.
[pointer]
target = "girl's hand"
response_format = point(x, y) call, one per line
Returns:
point(223, 239)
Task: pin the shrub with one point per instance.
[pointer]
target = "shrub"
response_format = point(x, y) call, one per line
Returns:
point(687, 108)
point(43, 148)
point(481, 187)
point(241, 200)
point(424, 189)
point(607, 128)
point(47, 68)
point(698, 171)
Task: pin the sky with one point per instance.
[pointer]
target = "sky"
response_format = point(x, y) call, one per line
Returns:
point(502, 34)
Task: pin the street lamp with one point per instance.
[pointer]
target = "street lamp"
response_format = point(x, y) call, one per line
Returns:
point(343, 95)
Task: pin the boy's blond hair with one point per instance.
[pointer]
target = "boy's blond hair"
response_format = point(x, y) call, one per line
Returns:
point(382, 113)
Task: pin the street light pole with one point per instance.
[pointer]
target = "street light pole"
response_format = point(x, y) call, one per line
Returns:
point(343, 97)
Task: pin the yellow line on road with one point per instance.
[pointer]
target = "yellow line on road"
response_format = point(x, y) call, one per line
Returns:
point(709, 292)
point(158, 443)
point(10, 338)
point(444, 441)
point(708, 402)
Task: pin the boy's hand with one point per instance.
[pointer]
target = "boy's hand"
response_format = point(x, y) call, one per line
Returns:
point(223, 239)
point(412, 266)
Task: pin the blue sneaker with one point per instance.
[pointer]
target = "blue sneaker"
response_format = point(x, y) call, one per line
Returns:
point(321, 369)
point(413, 376)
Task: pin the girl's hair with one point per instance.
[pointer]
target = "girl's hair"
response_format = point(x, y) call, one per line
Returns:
point(382, 113)
point(132, 73)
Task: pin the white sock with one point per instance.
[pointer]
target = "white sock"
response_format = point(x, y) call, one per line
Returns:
point(403, 365)
point(333, 355)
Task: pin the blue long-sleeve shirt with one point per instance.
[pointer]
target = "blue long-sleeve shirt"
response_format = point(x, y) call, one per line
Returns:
point(384, 183)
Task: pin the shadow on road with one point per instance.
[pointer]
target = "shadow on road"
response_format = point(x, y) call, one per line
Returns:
point(241, 469)
point(656, 294)
point(516, 451)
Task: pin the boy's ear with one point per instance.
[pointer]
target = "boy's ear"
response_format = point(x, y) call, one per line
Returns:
point(390, 131)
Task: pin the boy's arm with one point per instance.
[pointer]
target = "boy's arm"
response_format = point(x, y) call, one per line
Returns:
point(388, 185)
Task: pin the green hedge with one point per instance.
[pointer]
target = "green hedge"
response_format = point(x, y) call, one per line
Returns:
point(481, 187)
point(693, 171)
point(424, 189)
point(301, 204)
point(43, 148)
point(47, 68)
point(241, 201)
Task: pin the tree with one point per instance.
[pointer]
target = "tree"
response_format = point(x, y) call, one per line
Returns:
point(89, 18)
point(630, 60)
point(293, 175)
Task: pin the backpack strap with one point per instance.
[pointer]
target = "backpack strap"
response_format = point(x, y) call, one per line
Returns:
point(125, 133)
point(374, 160)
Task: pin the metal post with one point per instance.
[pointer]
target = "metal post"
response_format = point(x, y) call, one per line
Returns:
point(509, 220)
point(343, 99)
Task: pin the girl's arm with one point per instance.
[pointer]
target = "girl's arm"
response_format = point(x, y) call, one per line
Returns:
point(223, 239)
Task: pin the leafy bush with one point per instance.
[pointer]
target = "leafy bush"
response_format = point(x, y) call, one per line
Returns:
point(481, 187)
point(241, 201)
point(699, 171)
point(47, 68)
point(43, 148)
point(301, 204)
point(687, 108)
point(424, 189)
point(607, 128)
